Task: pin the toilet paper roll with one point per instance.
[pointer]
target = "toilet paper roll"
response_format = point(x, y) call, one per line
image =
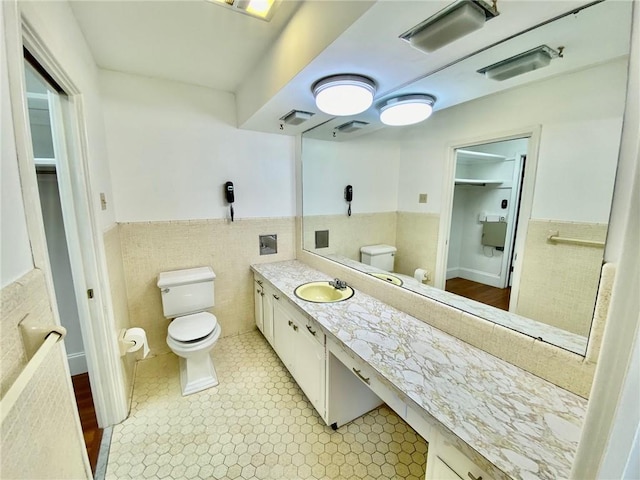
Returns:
point(139, 338)
point(420, 274)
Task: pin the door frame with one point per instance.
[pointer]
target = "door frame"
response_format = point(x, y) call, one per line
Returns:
point(86, 247)
point(531, 166)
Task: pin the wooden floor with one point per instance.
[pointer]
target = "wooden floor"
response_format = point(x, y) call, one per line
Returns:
point(92, 434)
point(496, 297)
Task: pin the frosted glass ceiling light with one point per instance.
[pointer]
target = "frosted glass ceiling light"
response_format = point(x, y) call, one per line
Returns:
point(453, 22)
point(342, 95)
point(406, 110)
point(528, 61)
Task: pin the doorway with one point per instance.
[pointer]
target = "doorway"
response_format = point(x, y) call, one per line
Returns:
point(48, 157)
point(484, 216)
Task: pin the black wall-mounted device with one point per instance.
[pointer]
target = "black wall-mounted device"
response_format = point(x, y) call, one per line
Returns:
point(230, 196)
point(348, 196)
point(348, 193)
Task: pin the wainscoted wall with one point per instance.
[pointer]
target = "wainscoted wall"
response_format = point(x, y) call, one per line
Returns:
point(41, 436)
point(417, 242)
point(560, 281)
point(348, 234)
point(565, 369)
point(149, 248)
point(113, 253)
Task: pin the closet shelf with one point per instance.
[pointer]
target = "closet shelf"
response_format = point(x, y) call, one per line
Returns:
point(478, 181)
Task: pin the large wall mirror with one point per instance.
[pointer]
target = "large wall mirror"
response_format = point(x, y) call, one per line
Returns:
point(498, 204)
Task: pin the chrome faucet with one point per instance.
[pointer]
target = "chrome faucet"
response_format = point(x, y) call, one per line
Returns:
point(338, 284)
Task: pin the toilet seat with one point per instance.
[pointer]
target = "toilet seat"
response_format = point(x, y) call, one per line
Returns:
point(192, 328)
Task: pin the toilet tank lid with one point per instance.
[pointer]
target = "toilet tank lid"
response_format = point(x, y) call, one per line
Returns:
point(377, 249)
point(182, 277)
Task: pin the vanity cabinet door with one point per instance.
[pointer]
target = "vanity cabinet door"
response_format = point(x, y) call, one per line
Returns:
point(284, 335)
point(263, 296)
point(258, 294)
point(310, 365)
point(267, 314)
point(442, 471)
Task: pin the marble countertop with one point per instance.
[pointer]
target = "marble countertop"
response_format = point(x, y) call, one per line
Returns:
point(523, 425)
point(547, 333)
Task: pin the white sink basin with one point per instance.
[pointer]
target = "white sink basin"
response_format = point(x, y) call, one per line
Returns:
point(322, 292)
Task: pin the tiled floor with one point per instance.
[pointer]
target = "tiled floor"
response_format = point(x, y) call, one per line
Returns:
point(256, 424)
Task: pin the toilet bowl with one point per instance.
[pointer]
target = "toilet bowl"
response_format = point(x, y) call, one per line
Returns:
point(193, 332)
point(186, 338)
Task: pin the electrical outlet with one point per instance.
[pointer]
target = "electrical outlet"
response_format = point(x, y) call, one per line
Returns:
point(422, 198)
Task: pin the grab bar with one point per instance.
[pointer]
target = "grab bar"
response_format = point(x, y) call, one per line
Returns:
point(12, 395)
point(555, 237)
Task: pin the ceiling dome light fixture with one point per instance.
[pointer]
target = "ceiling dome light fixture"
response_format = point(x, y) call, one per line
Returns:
point(406, 109)
point(343, 95)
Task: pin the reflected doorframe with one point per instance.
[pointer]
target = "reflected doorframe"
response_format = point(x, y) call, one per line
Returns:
point(528, 188)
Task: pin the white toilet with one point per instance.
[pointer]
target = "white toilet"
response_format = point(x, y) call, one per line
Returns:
point(193, 332)
point(380, 256)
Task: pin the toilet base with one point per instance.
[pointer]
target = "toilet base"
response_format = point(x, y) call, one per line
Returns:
point(197, 373)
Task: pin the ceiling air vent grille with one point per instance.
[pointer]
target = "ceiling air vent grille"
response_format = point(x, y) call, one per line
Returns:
point(352, 126)
point(296, 117)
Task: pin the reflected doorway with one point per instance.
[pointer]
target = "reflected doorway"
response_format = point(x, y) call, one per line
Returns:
point(484, 218)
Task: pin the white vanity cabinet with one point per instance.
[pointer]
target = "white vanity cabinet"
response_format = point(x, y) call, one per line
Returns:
point(300, 345)
point(263, 297)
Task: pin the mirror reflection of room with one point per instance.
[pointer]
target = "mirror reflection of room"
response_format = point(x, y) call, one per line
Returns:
point(488, 184)
point(569, 116)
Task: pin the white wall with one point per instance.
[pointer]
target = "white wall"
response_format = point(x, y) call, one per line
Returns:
point(15, 250)
point(369, 164)
point(172, 146)
point(577, 170)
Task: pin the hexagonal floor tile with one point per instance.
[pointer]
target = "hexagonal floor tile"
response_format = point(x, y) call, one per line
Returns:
point(256, 424)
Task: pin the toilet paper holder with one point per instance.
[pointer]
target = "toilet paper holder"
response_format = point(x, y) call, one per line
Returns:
point(128, 345)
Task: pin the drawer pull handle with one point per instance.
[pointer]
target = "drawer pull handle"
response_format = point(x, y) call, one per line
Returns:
point(472, 477)
point(311, 331)
point(259, 282)
point(295, 327)
point(276, 296)
point(357, 372)
point(290, 323)
point(262, 294)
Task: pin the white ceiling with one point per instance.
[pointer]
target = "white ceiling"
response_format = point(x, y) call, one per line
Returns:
point(191, 41)
point(197, 42)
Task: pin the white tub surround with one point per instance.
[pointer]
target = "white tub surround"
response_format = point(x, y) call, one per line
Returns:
point(508, 421)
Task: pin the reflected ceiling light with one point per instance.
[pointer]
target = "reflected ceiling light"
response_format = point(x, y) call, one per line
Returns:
point(342, 95)
point(407, 109)
point(453, 22)
point(262, 9)
point(528, 61)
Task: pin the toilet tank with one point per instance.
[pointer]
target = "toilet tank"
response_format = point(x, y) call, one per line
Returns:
point(380, 256)
point(186, 291)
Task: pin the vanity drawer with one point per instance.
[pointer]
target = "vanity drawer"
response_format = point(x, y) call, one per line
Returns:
point(308, 326)
point(367, 375)
point(458, 462)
